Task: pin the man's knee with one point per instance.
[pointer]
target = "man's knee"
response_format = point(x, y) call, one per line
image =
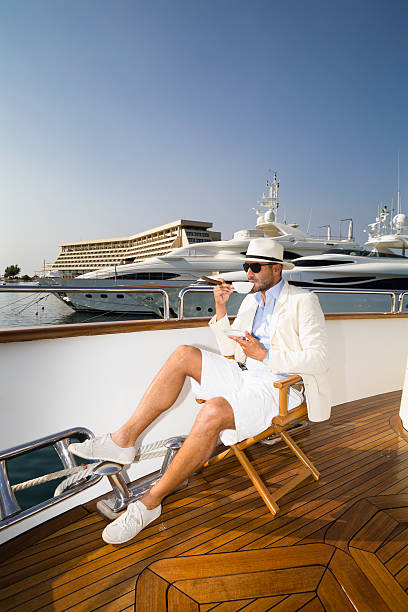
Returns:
point(216, 415)
point(186, 357)
point(185, 352)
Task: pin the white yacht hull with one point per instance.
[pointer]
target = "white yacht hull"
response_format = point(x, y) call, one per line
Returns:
point(337, 271)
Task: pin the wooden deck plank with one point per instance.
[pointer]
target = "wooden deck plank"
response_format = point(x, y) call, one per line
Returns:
point(293, 602)
point(398, 561)
point(402, 577)
point(390, 591)
point(394, 544)
point(262, 604)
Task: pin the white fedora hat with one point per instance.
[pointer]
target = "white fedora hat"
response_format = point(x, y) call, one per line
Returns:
point(266, 250)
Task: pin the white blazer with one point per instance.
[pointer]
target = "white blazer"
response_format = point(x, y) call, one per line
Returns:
point(298, 343)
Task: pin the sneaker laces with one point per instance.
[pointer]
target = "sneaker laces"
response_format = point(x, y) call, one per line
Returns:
point(133, 515)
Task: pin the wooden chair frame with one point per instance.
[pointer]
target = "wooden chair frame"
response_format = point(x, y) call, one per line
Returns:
point(280, 423)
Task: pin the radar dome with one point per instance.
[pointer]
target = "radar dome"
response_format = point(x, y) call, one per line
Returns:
point(269, 216)
point(400, 221)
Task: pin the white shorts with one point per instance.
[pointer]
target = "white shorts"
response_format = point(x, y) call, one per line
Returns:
point(251, 394)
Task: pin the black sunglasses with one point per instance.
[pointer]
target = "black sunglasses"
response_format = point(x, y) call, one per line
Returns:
point(255, 267)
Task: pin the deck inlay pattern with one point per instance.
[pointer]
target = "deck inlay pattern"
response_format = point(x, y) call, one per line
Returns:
point(358, 512)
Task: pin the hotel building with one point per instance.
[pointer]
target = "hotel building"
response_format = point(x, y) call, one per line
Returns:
point(80, 257)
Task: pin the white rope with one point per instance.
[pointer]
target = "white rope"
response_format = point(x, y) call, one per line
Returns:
point(76, 477)
point(47, 477)
point(83, 471)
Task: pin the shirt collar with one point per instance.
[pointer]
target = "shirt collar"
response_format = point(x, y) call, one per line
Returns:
point(271, 294)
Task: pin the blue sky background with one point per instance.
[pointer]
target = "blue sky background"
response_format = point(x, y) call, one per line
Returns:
point(120, 115)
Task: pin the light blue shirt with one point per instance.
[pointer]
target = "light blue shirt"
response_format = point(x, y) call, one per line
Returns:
point(262, 323)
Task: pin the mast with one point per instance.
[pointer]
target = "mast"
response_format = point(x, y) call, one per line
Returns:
point(270, 197)
point(398, 187)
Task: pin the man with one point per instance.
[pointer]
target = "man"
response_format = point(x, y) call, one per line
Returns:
point(283, 333)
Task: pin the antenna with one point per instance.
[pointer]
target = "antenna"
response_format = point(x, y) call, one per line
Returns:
point(392, 215)
point(310, 218)
point(398, 191)
point(350, 228)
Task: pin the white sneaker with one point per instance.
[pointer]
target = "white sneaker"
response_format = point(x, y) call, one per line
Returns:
point(103, 448)
point(130, 523)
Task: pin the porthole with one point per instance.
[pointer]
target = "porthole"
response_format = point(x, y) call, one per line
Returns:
point(88, 295)
point(103, 295)
point(120, 296)
point(210, 309)
point(198, 307)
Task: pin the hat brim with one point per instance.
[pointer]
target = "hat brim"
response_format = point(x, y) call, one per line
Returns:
point(286, 265)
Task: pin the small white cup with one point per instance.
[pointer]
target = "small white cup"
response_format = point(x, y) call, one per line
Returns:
point(242, 286)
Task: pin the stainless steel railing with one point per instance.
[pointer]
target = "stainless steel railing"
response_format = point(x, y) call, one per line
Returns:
point(393, 298)
point(10, 510)
point(64, 289)
point(391, 294)
point(185, 291)
point(401, 300)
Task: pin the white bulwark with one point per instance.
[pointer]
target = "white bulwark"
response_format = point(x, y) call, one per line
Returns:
point(80, 257)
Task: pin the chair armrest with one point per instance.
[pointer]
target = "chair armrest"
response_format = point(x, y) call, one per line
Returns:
point(283, 385)
point(286, 382)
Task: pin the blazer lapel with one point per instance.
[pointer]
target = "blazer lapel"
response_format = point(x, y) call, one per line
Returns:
point(280, 303)
point(250, 315)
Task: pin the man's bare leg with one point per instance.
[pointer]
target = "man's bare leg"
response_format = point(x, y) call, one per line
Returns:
point(215, 416)
point(161, 393)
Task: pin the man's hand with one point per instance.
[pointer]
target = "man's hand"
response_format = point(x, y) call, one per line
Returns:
point(251, 346)
point(221, 297)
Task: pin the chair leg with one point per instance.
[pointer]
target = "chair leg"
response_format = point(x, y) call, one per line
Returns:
point(253, 475)
point(299, 454)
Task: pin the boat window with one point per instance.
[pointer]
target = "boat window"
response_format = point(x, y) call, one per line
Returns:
point(379, 254)
point(344, 279)
point(88, 295)
point(347, 252)
point(103, 295)
point(120, 296)
point(149, 276)
point(290, 255)
point(320, 262)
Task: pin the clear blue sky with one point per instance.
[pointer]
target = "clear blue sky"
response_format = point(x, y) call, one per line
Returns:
point(120, 115)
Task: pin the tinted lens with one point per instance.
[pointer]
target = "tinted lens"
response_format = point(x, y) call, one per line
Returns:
point(255, 267)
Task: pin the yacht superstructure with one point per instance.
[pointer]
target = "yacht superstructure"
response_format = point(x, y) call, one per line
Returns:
point(388, 231)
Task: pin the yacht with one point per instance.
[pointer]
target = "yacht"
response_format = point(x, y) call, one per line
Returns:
point(338, 543)
point(378, 268)
point(351, 268)
point(185, 265)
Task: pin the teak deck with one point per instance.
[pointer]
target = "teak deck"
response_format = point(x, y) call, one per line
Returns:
point(337, 544)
